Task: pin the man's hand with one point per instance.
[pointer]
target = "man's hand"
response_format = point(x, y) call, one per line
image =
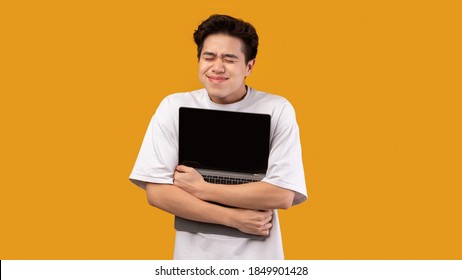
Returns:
point(253, 221)
point(189, 180)
point(256, 222)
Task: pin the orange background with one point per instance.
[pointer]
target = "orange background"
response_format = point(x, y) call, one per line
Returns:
point(376, 86)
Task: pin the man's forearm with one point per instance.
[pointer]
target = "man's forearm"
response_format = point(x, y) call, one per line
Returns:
point(180, 203)
point(257, 195)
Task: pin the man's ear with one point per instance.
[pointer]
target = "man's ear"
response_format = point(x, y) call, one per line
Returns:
point(250, 66)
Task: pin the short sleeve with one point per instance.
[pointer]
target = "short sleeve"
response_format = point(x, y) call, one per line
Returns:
point(158, 155)
point(285, 163)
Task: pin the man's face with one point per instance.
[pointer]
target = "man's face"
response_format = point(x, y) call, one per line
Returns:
point(222, 68)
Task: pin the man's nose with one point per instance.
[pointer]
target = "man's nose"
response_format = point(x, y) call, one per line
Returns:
point(218, 66)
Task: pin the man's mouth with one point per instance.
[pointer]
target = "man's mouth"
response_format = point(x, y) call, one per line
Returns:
point(217, 79)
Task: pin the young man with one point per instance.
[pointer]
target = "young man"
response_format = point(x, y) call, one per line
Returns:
point(227, 48)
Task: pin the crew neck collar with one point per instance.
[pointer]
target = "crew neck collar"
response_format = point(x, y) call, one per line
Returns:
point(231, 106)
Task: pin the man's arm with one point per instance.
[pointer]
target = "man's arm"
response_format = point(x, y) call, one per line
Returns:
point(257, 195)
point(180, 203)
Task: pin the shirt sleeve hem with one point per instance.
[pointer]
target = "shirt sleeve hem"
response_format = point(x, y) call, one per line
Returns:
point(299, 196)
point(141, 180)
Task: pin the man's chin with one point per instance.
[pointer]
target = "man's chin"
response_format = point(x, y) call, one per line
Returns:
point(217, 99)
point(214, 93)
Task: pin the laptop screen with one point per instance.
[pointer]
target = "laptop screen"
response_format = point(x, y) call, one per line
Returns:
point(223, 140)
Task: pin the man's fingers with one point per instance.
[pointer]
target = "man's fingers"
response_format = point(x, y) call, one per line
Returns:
point(267, 226)
point(265, 230)
point(267, 219)
point(183, 168)
point(267, 214)
point(176, 175)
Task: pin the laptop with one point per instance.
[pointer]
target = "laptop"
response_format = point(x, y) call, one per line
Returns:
point(225, 148)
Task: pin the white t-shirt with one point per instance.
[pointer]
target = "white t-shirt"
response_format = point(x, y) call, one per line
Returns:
point(158, 158)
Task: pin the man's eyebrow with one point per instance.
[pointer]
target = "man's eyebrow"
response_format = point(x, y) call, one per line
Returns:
point(209, 53)
point(230, 56)
point(224, 55)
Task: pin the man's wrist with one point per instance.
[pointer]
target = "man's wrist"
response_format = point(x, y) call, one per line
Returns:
point(229, 218)
point(205, 193)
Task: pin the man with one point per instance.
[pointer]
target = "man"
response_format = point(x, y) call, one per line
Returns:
point(227, 48)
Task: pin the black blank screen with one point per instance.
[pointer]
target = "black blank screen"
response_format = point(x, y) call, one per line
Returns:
point(223, 140)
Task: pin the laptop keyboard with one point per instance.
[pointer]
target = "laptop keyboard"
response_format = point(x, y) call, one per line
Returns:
point(227, 180)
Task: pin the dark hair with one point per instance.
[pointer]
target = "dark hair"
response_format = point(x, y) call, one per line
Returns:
point(223, 24)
